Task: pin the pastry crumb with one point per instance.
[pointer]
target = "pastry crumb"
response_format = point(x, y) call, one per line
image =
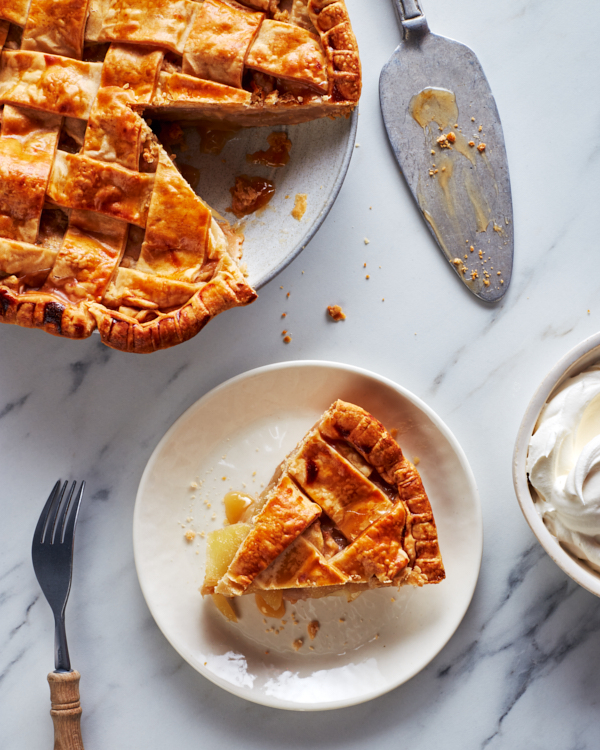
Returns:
point(481, 148)
point(394, 432)
point(416, 460)
point(298, 643)
point(287, 339)
point(190, 535)
point(313, 629)
point(193, 486)
point(471, 143)
point(367, 241)
point(300, 206)
point(336, 313)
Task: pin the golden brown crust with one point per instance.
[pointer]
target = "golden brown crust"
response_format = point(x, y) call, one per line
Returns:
point(27, 150)
point(134, 68)
point(284, 516)
point(154, 22)
point(331, 19)
point(136, 253)
point(288, 52)
point(56, 26)
point(50, 83)
point(219, 41)
point(370, 438)
point(383, 529)
point(348, 497)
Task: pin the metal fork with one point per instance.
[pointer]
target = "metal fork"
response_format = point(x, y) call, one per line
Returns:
point(52, 553)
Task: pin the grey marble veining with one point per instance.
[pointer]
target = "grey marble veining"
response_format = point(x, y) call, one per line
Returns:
point(523, 669)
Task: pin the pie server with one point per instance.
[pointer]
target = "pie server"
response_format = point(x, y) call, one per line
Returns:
point(444, 128)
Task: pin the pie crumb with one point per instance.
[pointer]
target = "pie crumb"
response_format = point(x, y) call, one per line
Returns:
point(313, 629)
point(287, 339)
point(416, 460)
point(299, 206)
point(367, 241)
point(336, 313)
point(190, 535)
point(394, 432)
point(481, 148)
point(298, 643)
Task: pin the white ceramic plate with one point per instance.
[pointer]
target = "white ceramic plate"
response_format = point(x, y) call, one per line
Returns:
point(240, 431)
point(319, 159)
point(584, 355)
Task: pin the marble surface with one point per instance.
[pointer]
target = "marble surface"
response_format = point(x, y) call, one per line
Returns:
point(522, 669)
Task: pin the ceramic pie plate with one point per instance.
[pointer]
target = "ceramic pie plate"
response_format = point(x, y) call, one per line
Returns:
point(319, 159)
point(234, 437)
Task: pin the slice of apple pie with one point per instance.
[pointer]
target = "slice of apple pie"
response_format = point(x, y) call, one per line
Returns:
point(98, 229)
point(345, 511)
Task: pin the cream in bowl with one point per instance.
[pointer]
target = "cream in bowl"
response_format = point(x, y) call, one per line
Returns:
point(563, 464)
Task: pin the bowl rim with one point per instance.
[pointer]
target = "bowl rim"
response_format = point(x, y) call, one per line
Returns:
point(575, 360)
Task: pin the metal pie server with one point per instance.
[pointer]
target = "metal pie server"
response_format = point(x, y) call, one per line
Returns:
point(444, 128)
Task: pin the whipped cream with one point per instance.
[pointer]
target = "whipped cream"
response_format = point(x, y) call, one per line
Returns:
point(563, 464)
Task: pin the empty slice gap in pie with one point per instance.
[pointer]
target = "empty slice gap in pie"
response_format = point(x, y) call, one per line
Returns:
point(98, 228)
point(344, 512)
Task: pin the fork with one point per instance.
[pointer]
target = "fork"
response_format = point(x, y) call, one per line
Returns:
point(52, 553)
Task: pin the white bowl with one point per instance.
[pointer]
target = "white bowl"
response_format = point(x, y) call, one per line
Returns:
point(584, 355)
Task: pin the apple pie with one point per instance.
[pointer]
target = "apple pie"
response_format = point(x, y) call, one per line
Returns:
point(344, 512)
point(98, 228)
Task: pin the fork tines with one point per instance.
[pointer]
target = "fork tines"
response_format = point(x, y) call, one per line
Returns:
point(57, 521)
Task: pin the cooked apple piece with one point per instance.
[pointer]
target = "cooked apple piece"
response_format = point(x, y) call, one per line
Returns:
point(222, 545)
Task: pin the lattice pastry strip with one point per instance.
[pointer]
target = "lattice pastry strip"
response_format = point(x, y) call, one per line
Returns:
point(345, 510)
point(27, 151)
point(56, 26)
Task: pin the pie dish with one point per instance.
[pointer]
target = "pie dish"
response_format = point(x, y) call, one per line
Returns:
point(241, 430)
point(98, 230)
point(344, 511)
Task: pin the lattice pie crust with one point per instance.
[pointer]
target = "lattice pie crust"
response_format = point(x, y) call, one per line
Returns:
point(345, 511)
point(98, 229)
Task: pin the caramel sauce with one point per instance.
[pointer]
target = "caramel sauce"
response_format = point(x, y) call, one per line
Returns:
point(249, 194)
point(190, 174)
point(171, 134)
point(214, 136)
point(483, 213)
point(278, 153)
point(434, 105)
point(274, 608)
point(236, 504)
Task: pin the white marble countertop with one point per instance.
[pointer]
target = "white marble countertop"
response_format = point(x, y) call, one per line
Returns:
point(522, 669)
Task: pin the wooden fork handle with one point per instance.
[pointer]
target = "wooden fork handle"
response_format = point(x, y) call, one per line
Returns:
point(66, 710)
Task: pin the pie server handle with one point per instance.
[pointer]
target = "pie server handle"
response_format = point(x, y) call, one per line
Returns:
point(66, 710)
